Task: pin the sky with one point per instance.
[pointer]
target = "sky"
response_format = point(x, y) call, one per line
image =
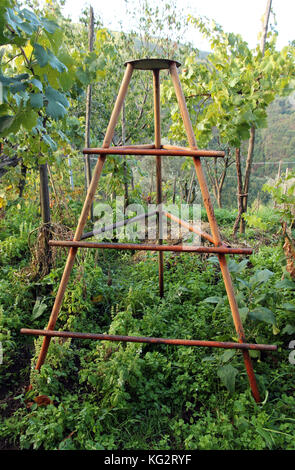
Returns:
point(237, 16)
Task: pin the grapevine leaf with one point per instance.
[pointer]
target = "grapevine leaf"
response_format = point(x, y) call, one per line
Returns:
point(5, 122)
point(41, 55)
point(36, 100)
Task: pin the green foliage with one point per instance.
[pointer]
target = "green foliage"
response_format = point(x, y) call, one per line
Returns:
point(283, 195)
point(231, 90)
point(41, 74)
point(163, 395)
point(223, 217)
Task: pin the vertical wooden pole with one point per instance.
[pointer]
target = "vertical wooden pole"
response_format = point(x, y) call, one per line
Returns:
point(44, 193)
point(84, 214)
point(214, 229)
point(71, 173)
point(126, 196)
point(45, 266)
point(87, 158)
point(157, 123)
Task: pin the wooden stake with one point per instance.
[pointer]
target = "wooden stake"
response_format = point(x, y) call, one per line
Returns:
point(157, 122)
point(87, 158)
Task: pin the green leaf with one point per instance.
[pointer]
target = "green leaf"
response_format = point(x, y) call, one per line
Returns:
point(289, 329)
point(237, 267)
point(12, 19)
point(31, 17)
point(275, 330)
point(288, 306)
point(55, 63)
point(227, 375)
point(57, 103)
point(261, 276)
point(243, 313)
point(38, 309)
point(41, 55)
point(213, 300)
point(11, 80)
point(255, 354)
point(49, 141)
point(17, 87)
point(209, 358)
point(49, 25)
point(16, 123)
point(83, 76)
point(227, 355)
point(5, 122)
point(55, 95)
point(263, 314)
point(66, 80)
point(29, 119)
point(266, 436)
point(37, 84)
point(55, 109)
point(36, 100)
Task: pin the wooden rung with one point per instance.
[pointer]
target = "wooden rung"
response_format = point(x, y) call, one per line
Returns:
point(142, 339)
point(138, 246)
point(158, 152)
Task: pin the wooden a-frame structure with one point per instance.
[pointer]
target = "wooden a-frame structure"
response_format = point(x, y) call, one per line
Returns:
point(154, 65)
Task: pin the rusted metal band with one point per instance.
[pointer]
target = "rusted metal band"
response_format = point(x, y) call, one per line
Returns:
point(143, 339)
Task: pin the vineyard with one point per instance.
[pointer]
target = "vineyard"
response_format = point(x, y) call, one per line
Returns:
point(61, 93)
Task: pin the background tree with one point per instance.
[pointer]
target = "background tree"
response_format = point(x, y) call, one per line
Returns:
point(243, 188)
point(39, 77)
point(229, 93)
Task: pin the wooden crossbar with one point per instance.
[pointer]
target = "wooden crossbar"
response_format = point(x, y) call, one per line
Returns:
point(150, 340)
point(139, 246)
point(176, 152)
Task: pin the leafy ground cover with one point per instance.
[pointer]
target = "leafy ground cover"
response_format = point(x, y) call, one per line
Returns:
point(107, 395)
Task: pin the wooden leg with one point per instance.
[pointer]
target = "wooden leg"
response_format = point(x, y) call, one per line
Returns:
point(157, 122)
point(214, 229)
point(84, 214)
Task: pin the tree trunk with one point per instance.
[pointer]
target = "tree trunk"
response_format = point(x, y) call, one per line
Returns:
point(174, 191)
point(265, 26)
point(22, 181)
point(247, 178)
point(244, 198)
point(240, 190)
point(218, 197)
point(189, 196)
